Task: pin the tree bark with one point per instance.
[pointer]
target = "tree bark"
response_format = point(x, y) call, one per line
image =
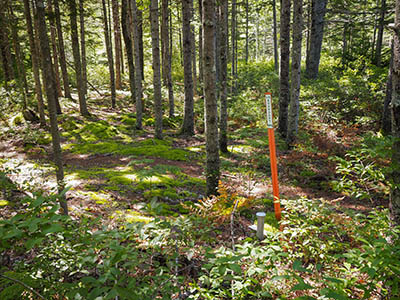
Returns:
point(166, 57)
point(284, 87)
point(53, 37)
point(155, 45)
point(294, 106)
point(127, 35)
point(233, 47)
point(83, 46)
point(386, 122)
point(51, 92)
point(276, 56)
point(201, 73)
point(110, 59)
point(381, 26)
point(77, 58)
point(211, 118)
point(188, 118)
point(394, 204)
point(35, 63)
point(316, 36)
point(5, 46)
point(223, 125)
point(61, 51)
point(117, 43)
point(138, 68)
point(21, 73)
point(140, 36)
point(247, 31)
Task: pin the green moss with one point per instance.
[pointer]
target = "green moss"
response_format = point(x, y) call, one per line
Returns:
point(161, 151)
point(4, 202)
point(127, 120)
point(123, 180)
point(131, 216)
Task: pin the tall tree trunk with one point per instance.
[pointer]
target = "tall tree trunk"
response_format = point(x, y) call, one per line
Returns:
point(284, 87)
point(53, 37)
point(35, 63)
point(83, 46)
point(127, 35)
point(223, 125)
point(233, 46)
point(188, 118)
point(381, 26)
point(166, 57)
point(211, 118)
point(155, 45)
point(77, 58)
point(140, 31)
point(138, 68)
point(22, 83)
point(51, 92)
point(276, 57)
point(61, 50)
point(194, 64)
point(5, 45)
point(201, 73)
point(294, 107)
point(344, 46)
point(117, 43)
point(394, 204)
point(386, 122)
point(247, 32)
point(110, 59)
point(316, 36)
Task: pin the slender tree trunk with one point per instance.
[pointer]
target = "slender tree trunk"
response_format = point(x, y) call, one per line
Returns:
point(381, 26)
point(276, 57)
point(284, 88)
point(247, 32)
point(294, 107)
point(211, 118)
point(166, 57)
point(201, 73)
point(61, 50)
point(316, 36)
point(223, 125)
point(53, 37)
point(138, 68)
point(5, 46)
point(117, 43)
point(386, 121)
point(77, 58)
point(22, 83)
point(107, 37)
point(35, 63)
point(155, 45)
point(233, 46)
point(194, 64)
point(83, 46)
point(188, 118)
point(127, 35)
point(394, 204)
point(51, 92)
point(344, 47)
point(140, 28)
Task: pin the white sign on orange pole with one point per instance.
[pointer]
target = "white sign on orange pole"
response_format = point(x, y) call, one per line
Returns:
point(272, 153)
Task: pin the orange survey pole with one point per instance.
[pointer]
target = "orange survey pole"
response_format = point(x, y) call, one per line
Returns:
point(272, 153)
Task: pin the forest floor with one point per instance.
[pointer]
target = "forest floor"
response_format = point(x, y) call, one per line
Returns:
point(116, 171)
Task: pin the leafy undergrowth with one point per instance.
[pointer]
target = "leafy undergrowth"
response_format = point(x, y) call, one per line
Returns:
point(141, 228)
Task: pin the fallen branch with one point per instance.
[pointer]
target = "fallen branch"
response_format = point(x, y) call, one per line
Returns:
point(91, 85)
point(24, 285)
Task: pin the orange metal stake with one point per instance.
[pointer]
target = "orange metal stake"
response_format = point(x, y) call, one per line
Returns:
point(272, 152)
